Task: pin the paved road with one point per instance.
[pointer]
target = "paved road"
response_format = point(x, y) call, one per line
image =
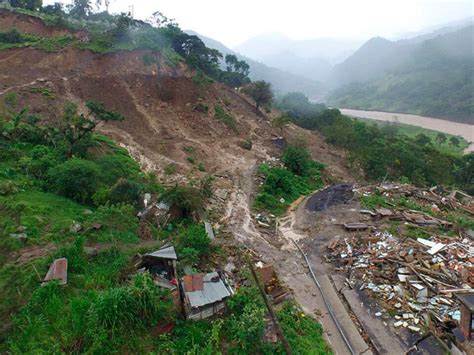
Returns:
point(458, 129)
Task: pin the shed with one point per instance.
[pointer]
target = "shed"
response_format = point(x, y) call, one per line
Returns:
point(204, 295)
point(467, 314)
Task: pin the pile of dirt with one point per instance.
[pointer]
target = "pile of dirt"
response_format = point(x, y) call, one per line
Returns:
point(332, 196)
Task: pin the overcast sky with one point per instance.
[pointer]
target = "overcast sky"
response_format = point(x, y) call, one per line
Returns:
point(232, 22)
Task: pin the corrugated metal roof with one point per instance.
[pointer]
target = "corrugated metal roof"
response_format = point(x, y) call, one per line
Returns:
point(57, 271)
point(211, 292)
point(164, 253)
point(193, 282)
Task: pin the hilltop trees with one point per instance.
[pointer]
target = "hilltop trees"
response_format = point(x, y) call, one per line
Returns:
point(27, 4)
point(81, 8)
point(260, 91)
point(236, 73)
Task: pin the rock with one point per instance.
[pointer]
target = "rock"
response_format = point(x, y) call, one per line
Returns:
point(76, 228)
point(96, 226)
point(20, 236)
point(221, 194)
point(90, 251)
point(230, 267)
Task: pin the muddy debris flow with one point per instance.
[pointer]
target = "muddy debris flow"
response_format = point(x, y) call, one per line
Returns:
point(332, 196)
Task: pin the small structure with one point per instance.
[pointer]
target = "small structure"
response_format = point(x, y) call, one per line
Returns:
point(57, 271)
point(204, 295)
point(466, 324)
point(161, 264)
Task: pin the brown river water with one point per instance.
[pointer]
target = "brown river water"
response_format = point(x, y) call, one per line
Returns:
point(458, 129)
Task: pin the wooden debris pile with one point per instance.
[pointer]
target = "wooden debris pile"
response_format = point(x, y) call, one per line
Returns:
point(409, 278)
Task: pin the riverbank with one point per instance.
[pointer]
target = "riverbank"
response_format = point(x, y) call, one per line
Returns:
point(454, 128)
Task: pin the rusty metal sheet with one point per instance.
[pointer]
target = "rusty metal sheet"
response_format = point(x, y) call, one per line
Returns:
point(57, 271)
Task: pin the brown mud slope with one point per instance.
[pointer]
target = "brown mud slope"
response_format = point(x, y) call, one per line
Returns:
point(158, 103)
point(29, 24)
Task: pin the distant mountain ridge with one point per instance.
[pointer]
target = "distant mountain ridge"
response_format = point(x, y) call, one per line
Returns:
point(282, 81)
point(432, 77)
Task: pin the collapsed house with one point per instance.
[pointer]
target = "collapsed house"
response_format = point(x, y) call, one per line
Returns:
point(161, 265)
point(421, 284)
point(205, 295)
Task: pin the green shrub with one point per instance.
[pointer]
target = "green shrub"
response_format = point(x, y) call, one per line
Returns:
point(188, 199)
point(192, 244)
point(221, 115)
point(43, 158)
point(77, 179)
point(246, 144)
point(117, 166)
point(297, 160)
point(303, 333)
point(201, 80)
point(11, 36)
point(170, 169)
point(47, 92)
point(100, 112)
point(281, 187)
point(7, 188)
point(125, 191)
point(126, 310)
point(201, 107)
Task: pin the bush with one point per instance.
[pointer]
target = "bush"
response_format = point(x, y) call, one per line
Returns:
point(125, 310)
point(42, 159)
point(192, 244)
point(11, 36)
point(77, 179)
point(221, 115)
point(99, 111)
point(125, 191)
point(117, 166)
point(281, 187)
point(246, 144)
point(188, 199)
point(297, 160)
point(200, 107)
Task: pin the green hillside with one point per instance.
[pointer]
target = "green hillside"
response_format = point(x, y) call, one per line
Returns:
point(436, 79)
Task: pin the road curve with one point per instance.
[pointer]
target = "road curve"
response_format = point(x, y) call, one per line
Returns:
point(454, 128)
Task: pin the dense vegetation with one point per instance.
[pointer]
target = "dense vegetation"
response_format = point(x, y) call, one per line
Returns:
point(300, 175)
point(56, 177)
point(432, 78)
point(382, 152)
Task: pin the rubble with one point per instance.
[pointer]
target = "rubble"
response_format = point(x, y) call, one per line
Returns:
point(413, 280)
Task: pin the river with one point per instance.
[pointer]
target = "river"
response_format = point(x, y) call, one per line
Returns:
point(454, 128)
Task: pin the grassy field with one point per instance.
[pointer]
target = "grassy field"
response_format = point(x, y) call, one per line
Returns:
point(413, 131)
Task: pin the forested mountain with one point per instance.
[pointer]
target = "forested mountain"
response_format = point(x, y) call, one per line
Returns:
point(282, 81)
point(433, 77)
